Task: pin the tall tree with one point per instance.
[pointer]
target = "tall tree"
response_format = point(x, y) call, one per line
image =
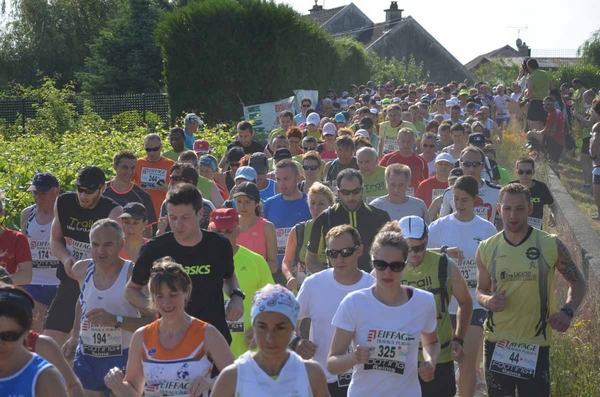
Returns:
point(590, 49)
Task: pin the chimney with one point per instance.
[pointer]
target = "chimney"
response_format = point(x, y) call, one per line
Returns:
point(392, 15)
point(316, 7)
point(523, 48)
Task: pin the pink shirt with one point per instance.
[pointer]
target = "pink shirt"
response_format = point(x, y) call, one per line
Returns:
point(254, 238)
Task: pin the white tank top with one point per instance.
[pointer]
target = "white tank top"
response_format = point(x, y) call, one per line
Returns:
point(99, 340)
point(252, 381)
point(44, 261)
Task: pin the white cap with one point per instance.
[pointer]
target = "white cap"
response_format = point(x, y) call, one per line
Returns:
point(449, 103)
point(329, 129)
point(413, 227)
point(444, 157)
point(362, 132)
point(313, 119)
point(374, 111)
point(350, 101)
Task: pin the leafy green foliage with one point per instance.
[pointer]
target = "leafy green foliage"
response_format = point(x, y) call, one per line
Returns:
point(588, 73)
point(590, 49)
point(498, 71)
point(398, 71)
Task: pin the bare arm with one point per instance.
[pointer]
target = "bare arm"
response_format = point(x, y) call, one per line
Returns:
point(215, 196)
point(460, 291)
point(132, 384)
point(23, 274)
point(339, 360)
point(431, 347)
point(570, 272)
point(288, 260)
point(23, 221)
point(217, 348)
point(135, 296)
point(57, 242)
point(226, 383)
point(50, 351)
point(271, 239)
point(49, 383)
point(313, 262)
point(316, 377)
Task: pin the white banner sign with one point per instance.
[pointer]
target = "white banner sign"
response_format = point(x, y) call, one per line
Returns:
point(265, 116)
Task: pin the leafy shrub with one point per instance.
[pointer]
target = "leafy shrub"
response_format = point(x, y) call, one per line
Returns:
point(399, 71)
point(587, 72)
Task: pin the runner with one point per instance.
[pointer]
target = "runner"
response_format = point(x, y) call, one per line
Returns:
point(322, 293)
point(176, 352)
point(255, 232)
point(327, 149)
point(207, 187)
point(36, 222)
point(293, 266)
point(312, 165)
point(186, 244)
point(459, 139)
point(207, 167)
point(251, 269)
point(265, 185)
point(515, 282)
point(428, 152)
point(540, 194)
point(396, 203)
point(134, 220)
point(23, 373)
point(233, 156)
point(435, 273)
point(104, 320)
point(373, 174)
point(388, 130)
point(15, 255)
point(436, 204)
point(152, 171)
point(435, 185)
point(463, 228)
point(344, 148)
point(177, 141)
point(272, 370)
point(352, 210)
point(384, 323)
point(191, 123)
point(74, 215)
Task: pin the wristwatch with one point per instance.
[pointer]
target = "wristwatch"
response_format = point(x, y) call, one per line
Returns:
point(568, 311)
point(444, 249)
point(238, 292)
point(459, 341)
point(119, 321)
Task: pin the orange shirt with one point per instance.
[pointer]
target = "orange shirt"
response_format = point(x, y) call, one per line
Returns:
point(147, 174)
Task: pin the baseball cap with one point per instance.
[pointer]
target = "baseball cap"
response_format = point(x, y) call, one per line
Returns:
point(396, 100)
point(477, 139)
point(366, 123)
point(463, 92)
point(313, 119)
point(413, 227)
point(350, 101)
point(201, 146)
point(444, 157)
point(386, 102)
point(91, 177)
point(135, 210)
point(455, 173)
point(329, 129)
point(42, 182)
point(339, 118)
point(192, 117)
point(374, 111)
point(281, 154)
point(235, 153)
point(208, 162)
point(362, 132)
point(344, 94)
point(224, 218)
point(246, 172)
point(247, 189)
point(259, 162)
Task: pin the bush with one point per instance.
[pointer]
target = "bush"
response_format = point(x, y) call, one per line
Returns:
point(399, 71)
point(588, 73)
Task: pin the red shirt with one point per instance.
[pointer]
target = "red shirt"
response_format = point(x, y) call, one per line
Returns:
point(555, 126)
point(429, 189)
point(418, 166)
point(14, 249)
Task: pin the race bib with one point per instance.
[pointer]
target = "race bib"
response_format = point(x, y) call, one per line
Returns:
point(78, 249)
point(42, 255)
point(518, 360)
point(150, 177)
point(436, 192)
point(535, 222)
point(389, 145)
point(484, 211)
point(101, 340)
point(468, 269)
point(391, 350)
point(237, 325)
point(282, 238)
point(410, 191)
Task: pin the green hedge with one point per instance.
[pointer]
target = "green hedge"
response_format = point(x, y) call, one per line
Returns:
point(588, 73)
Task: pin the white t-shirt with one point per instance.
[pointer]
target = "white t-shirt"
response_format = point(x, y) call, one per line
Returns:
point(501, 109)
point(319, 297)
point(485, 206)
point(466, 235)
point(515, 96)
point(395, 332)
point(414, 206)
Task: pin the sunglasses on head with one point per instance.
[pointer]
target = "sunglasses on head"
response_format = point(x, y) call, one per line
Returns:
point(417, 248)
point(346, 192)
point(86, 190)
point(471, 164)
point(345, 252)
point(10, 336)
point(152, 149)
point(380, 265)
point(528, 172)
point(310, 167)
point(307, 149)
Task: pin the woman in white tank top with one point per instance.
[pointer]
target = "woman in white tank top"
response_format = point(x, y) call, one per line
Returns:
point(273, 370)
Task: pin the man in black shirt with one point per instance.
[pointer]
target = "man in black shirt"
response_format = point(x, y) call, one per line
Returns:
point(351, 210)
point(207, 258)
point(245, 135)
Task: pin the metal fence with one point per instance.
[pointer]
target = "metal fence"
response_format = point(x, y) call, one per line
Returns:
point(14, 110)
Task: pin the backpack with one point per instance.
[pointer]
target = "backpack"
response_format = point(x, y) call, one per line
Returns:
point(442, 291)
point(300, 227)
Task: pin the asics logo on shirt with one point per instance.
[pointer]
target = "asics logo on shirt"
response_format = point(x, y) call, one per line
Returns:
point(197, 270)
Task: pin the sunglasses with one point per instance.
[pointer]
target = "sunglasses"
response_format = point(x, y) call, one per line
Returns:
point(10, 336)
point(167, 269)
point(346, 192)
point(471, 164)
point(152, 149)
point(394, 266)
point(307, 149)
point(310, 167)
point(86, 190)
point(345, 252)
point(233, 165)
point(417, 248)
point(430, 146)
point(305, 106)
point(528, 172)
point(176, 178)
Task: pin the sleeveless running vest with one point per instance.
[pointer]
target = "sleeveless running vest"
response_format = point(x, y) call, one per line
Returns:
point(252, 381)
point(44, 261)
point(434, 275)
point(103, 341)
point(22, 384)
point(254, 238)
point(169, 372)
point(526, 272)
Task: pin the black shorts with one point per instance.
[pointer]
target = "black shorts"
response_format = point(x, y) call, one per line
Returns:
point(585, 145)
point(444, 384)
point(61, 312)
point(505, 385)
point(553, 148)
point(339, 388)
point(477, 318)
point(596, 179)
point(536, 111)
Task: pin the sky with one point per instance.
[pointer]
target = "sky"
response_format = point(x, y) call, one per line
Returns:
point(468, 29)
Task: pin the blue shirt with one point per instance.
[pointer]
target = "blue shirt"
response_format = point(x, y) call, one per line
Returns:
point(299, 119)
point(285, 215)
point(189, 140)
point(23, 382)
point(269, 191)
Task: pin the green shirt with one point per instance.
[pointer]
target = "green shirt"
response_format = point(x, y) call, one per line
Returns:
point(205, 186)
point(374, 185)
point(171, 154)
point(540, 81)
point(419, 126)
point(504, 176)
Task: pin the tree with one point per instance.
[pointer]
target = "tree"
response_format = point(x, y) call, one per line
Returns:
point(125, 57)
point(399, 71)
point(590, 49)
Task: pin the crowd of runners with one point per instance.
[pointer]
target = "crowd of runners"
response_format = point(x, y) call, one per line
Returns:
point(374, 246)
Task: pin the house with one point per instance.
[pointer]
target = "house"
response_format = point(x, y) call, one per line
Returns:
point(398, 37)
